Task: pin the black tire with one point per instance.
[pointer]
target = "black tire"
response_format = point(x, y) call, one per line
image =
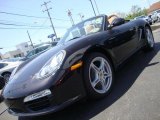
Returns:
point(91, 92)
point(6, 76)
point(149, 43)
point(2, 83)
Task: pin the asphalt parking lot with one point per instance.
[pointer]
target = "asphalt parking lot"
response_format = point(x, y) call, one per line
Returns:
point(135, 96)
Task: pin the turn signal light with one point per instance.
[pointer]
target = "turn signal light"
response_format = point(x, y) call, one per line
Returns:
point(76, 66)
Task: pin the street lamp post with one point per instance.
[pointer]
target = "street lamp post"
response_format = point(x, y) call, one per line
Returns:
point(81, 16)
point(93, 7)
point(70, 16)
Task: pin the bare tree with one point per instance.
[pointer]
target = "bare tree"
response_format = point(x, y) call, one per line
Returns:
point(135, 9)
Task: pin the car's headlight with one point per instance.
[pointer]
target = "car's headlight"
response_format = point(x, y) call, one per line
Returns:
point(51, 67)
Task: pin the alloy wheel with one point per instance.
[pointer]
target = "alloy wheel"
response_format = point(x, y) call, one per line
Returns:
point(100, 75)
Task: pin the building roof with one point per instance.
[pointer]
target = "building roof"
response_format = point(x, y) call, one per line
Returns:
point(154, 7)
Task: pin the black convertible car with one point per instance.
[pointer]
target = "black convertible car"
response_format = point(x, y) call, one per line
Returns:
point(81, 65)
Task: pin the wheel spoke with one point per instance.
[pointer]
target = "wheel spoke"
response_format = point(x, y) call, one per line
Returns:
point(95, 68)
point(102, 64)
point(106, 75)
point(103, 83)
point(95, 82)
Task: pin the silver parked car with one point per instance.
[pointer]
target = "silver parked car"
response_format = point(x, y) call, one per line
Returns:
point(157, 12)
point(39, 50)
point(153, 16)
point(146, 18)
point(6, 68)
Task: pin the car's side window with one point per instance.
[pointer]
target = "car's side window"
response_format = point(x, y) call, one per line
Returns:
point(31, 53)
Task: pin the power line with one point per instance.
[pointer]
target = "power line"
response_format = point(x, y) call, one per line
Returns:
point(16, 22)
point(19, 25)
point(23, 15)
point(21, 28)
point(40, 29)
point(32, 28)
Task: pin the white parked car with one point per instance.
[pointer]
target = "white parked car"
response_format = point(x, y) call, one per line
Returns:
point(157, 12)
point(153, 16)
point(6, 68)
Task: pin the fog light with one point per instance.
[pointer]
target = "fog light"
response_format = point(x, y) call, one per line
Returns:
point(37, 95)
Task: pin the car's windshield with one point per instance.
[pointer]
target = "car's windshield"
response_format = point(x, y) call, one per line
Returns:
point(87, 27)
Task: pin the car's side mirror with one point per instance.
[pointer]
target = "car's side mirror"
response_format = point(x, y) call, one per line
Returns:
point(2, 82)
point(117, 22)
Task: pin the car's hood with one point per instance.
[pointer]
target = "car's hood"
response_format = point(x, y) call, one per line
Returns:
point(28, 71)
point(26, 75)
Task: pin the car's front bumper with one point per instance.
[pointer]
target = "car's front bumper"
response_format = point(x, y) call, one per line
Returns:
point(47, 110)
point(66, 91)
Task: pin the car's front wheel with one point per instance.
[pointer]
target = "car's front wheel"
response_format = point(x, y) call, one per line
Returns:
point(98, 75)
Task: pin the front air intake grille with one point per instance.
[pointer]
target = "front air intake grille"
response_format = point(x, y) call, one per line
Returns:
point(38, 104)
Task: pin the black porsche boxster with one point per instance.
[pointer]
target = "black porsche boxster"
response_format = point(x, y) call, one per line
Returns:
point(81, 65)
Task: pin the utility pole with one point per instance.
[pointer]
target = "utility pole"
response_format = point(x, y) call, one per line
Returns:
point(93, 8)
point(47, 10)
point(81, 16)
point(30, 39)
point(96, 6)
point(70, 16)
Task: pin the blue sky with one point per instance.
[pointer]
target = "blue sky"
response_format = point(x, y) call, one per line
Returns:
point(11, 37)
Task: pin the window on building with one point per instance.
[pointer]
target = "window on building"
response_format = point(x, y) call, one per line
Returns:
point(18, 55)
point(26, 46)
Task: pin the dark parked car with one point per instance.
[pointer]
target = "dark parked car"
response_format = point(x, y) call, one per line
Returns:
point(81, 65)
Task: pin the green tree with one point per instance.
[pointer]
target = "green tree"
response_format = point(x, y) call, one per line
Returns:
point(135, 12)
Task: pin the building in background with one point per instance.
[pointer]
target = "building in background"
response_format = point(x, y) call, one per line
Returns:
point(24, 48)
point(13, 54)
point(154, 7)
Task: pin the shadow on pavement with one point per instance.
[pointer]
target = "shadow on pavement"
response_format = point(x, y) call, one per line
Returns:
point(125, 78)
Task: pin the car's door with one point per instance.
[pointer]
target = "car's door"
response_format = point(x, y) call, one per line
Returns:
point(123, 40)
